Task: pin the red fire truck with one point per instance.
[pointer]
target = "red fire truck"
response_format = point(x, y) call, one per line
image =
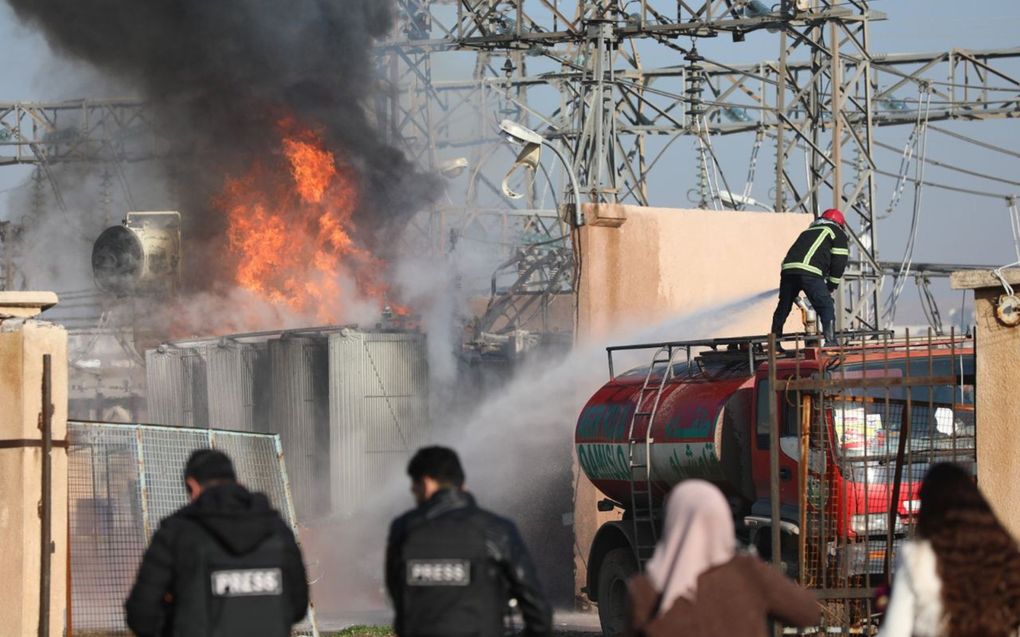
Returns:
point(827, 445)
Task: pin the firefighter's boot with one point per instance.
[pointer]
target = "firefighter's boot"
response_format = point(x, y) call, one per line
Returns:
point(829, 331)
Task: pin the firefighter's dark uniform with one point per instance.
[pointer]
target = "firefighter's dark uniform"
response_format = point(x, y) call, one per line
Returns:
point(814, 264)
point(451, 569)
point(224, 565)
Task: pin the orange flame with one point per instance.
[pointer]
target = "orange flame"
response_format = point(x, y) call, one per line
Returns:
point(291, 230)
point(313, 168)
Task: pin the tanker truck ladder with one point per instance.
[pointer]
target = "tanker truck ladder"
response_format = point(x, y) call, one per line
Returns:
point(642, 506)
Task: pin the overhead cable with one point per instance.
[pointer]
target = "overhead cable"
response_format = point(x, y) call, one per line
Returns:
point(934, 184)
point(976, 142)
point(1014, 224)
point(959, 169)
point(759, 137)
point(908, 152)
point(908, 254)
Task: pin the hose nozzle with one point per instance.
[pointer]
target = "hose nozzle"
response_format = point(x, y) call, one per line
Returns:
point(807, 315)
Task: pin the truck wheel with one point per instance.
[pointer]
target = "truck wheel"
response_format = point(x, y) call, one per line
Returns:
point(618, 566)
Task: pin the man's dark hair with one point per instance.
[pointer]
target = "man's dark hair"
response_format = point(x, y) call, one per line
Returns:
point(439, 463)
point(209, 465)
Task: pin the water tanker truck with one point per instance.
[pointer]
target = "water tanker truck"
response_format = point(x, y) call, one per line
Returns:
point(827, 445)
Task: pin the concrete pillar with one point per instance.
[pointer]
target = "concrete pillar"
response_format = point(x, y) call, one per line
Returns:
point(23, 342)
point(997, 401)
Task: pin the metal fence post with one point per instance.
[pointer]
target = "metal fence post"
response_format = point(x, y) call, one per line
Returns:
point(777, 557)
point(901, 450)
point(777, 549)
point(46, 505)
point(143, 491)
point(289, 500)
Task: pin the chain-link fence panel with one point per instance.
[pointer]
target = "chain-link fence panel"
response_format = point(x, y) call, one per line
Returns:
point(106, 527)
point(259, 455)
point(124, 479)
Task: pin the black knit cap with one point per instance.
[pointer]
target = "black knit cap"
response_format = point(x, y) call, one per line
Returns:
point(207, 465)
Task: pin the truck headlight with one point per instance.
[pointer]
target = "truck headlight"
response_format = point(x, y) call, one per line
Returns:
point(873, 524)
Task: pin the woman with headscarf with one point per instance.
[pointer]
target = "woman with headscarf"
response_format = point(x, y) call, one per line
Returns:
point(960, 577)
point(696, 586)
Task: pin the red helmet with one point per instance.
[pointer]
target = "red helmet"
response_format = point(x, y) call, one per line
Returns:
point(832, 214)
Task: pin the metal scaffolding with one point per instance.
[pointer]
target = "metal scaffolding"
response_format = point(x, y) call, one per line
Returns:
point(577, 70)
point(79, 131)
point(574, 69)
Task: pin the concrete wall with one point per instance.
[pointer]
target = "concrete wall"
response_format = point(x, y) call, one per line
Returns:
point(997, 401)
point(662, 262)
point(22, 345)
point(641, 266)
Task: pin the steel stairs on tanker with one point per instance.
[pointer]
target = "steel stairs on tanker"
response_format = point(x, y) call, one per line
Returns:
point(644, 514)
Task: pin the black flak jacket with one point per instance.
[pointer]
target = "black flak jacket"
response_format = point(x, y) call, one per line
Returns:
point(451, 569)
point(223, 566)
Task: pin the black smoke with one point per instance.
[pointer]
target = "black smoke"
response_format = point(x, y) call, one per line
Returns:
point(221, 73)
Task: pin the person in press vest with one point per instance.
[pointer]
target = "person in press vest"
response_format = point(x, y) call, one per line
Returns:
point(224, 564)
point(452, 567)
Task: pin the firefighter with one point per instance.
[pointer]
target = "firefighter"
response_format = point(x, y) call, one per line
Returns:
point(225, 564)
point(452, 567)
point(814, 264)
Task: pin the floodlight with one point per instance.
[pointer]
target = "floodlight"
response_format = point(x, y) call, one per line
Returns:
point(733, 200)
point(518, 134)
point(529, 158)
point(452, 168)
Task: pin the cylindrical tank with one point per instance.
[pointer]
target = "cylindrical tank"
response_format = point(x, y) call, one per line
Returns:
point(702, 428)
point(378, 411)
point(299, 412)
point(177, 392)
point(142, 256)
point(237, 379)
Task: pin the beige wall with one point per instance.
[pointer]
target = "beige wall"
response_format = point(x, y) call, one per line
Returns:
point(22, 345)
point(997, 402)
point(663, 262)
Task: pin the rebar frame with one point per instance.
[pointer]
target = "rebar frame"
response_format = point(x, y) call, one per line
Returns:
point(867, 428)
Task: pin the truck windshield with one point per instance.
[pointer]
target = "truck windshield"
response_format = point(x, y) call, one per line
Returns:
point(869, 422)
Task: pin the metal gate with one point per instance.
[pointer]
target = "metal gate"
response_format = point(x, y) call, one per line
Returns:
point(122, 480)
point(854, 443)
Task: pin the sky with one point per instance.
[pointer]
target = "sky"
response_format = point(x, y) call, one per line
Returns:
point(954, 228)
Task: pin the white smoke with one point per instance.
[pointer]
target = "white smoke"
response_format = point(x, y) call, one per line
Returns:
point(516, 447)
point(511, 421)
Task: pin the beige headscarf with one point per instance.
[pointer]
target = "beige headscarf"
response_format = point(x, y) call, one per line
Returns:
point(697, 535)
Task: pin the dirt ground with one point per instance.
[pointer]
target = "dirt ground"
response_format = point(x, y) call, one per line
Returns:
point(376, 624)
point(375, 631)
